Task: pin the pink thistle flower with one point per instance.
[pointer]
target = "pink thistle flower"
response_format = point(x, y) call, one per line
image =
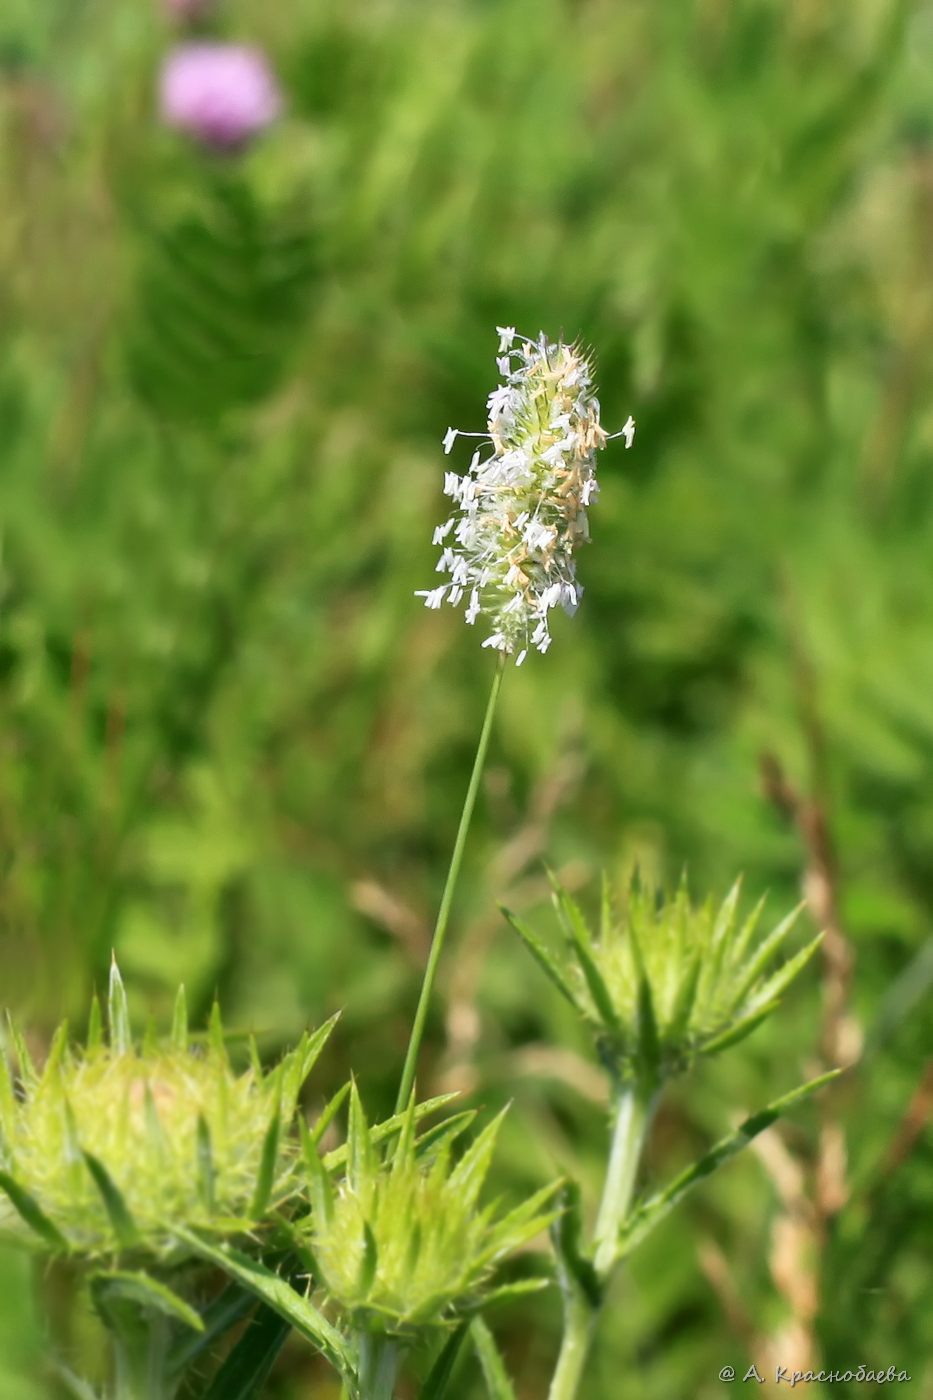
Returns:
point(221, 94)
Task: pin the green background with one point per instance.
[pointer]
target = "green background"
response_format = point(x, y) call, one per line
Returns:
point(233, 746)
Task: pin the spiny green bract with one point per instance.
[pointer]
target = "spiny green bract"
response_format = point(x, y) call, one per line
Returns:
point(404, 1244)
point(110, 1148)
point(669, 980)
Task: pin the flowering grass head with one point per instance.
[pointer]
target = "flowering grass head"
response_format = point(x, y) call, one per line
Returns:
point(110, 1149)
point(223, 95)
point(669, 980)
point(521, 511)
point(404, 1245)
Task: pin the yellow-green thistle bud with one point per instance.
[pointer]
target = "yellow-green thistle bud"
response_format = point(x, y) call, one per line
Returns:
point(110, 1149)
point(667, 981)
point(405, 1245)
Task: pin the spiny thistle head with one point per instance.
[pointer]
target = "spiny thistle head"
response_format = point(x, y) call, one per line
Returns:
point(667, 981)
point(403, 1244)
point(521, 511)
point(110, 1149)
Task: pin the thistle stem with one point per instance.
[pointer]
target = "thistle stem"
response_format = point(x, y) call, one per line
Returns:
point(379, 1359)
point(142, 1362)
point(633, 1108)
point(579, 1325)
point(443, 915)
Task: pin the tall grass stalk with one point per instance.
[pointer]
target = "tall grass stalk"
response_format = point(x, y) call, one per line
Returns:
point(443, 915)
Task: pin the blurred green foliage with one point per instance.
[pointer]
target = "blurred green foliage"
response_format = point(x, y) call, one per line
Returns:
point(233, 745)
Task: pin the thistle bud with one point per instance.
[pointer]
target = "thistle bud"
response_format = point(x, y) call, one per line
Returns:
point(510, 545)
point(110, 1149)
point(221, 94)
point(404, 1245)
point(668, 981)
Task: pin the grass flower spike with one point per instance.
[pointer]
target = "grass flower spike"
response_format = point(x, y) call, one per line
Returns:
point(521, 511)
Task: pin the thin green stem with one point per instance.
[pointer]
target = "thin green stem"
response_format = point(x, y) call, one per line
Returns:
point(379, 1359)
point(632, 1112)
point(579, 1325)
point(443, 915)
point(634, 1107)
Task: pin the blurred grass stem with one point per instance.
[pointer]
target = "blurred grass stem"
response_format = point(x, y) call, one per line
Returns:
point(443, 916)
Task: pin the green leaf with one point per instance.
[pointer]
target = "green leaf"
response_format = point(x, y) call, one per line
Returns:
point(118, 1014)
point(205, 1163)
point(215, 1035)
point(649, 1040)
point(296, 1066)
point(277, 1294)
point(33, 1214)
point(320, 1190)
point(361, 1158)
point(267, 1165)
point(369, 1262)
point(543, 957)
point(521, 1288)
point(329, 1113)
point(498, 1385)
point(685, 998)
point(725, 922)
point(444, 1134)
point(441, 1373)
point(56, 1053)
point(247, 1368)
point(525, 1217)
point(651, 1212)
point(27, 1070)
point(406, 1137)
point(154, 1132)
point(582, 944)
point(469, 1174)
point(224, 1312)
point(314, 1046)
point(737, 1032)
point(763, 954)
point(743, 938)
point(388, 1128)
point(770, 992)
point(124, 1226)
point(147, 1293)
